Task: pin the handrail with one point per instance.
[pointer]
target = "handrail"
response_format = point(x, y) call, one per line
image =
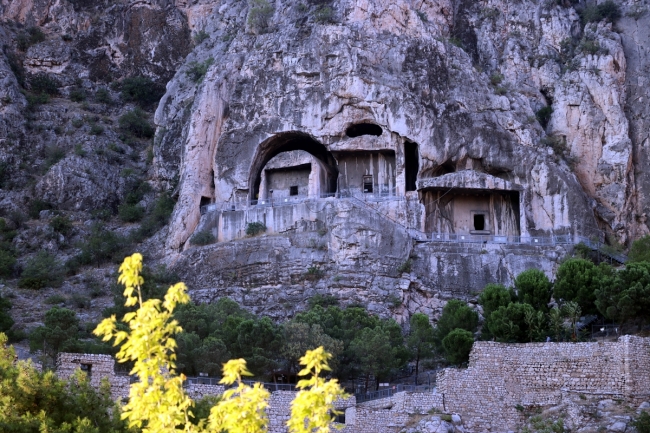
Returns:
point(389, 392)
point(417, 235)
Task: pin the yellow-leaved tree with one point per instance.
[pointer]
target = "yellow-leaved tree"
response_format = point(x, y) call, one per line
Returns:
point(158, 403)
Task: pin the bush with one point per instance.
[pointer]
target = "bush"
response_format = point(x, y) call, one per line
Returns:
point(7, 263)
point(43, 270)
point(200, 36)
point(534, 288)
point(203, 237)
point(61, 224)
point(77, 95)
point(53, 154)
point(457, 345)
point(543, 115)
point(642, 423)
point(640, 250)
point(130, 213)
point(55, 299)
point(103, 96)
point(625, 295)
point(141, 90)
point(196, 71)
point(32, 36)
point(589, 46)
point(96, 129)
point(36, 206)
point(405, 267)
point(102, 245)
point(608, 10)
point(158, 217)
point(43, 84)
point(134, 122)
point(259, 14)
point(496, 79)
point(324, 15)
point(6, 322)
point(255, 228)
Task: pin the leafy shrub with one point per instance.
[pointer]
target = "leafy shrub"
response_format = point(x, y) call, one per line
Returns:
point(102, 245)
point(259, 14)
point(53, 154)
point(134, 122)
point(77, 95)
point(158, 217)
point(200, 36)
point(7, 263)
point(43, 270)
point(589, 46)
point(496, 79)
point(141, 90)
point(608, 10)
point(642, 422)
point(543, 115)
point(96, 129)
point(61, 224)
point(314, 273)
point(6, 322)
point(31, 36)
point(457, 345)
point(36, 206)
point(508, 323)
point(640, 250)
point(42, 83)
point(196, 71)
point(203, 237)
point(624, 295)
point(405, 267)
point(130, 213)
point(34, 101)
point(79, 301)
point(324, 15)
point(255, 228)
point(103, 96)
point(55, 299)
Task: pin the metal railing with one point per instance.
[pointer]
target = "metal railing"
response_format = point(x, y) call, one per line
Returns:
point(365, 198)
point(389, 392)
point(291, 200)
point(214, 381)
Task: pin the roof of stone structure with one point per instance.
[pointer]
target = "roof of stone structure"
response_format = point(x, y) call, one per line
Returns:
point(468, 179)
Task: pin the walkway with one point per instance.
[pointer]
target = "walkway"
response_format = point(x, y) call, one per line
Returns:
point(417, 235)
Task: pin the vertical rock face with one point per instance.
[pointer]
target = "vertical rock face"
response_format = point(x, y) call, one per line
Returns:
point(462, 80)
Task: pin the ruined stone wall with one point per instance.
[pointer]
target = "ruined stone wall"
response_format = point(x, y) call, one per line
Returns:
point(501, 377)
point(407, 402)
point(362, 420)
point(102, 367)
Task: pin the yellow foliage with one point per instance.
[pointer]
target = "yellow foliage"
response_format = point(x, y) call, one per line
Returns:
point(158, 403)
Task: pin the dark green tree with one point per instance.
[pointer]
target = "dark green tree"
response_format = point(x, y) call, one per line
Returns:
point(508, 324)
point(421, 340)
point(373, 350)
point(577, 280)
point(456, 314)
point(640, 250)
point(625, 295)
point(457, 345)
point(60, 333)
point(534, 288)
point(494, 296)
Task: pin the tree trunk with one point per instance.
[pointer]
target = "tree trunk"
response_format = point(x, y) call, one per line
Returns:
point(417, 365)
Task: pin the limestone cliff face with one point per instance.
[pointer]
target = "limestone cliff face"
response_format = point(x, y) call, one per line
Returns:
point(463, 80)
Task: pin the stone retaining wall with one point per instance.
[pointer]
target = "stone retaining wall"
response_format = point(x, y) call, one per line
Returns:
point(407, 402)
point(501, 377)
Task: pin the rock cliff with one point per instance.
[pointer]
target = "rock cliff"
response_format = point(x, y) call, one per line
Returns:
point(502, 118)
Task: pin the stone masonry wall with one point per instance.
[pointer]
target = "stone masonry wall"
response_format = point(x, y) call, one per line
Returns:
point(502, 376)
point(407, 402)
point(102, 366)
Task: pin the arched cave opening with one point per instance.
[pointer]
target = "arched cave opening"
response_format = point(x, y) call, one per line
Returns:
point(444, 168)
point(360, 129)
point(287, 142)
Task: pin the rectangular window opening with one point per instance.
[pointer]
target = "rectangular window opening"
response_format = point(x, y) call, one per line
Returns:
point(367, 184)
point(479, 221)
point(293, 190)
point(86, 368)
